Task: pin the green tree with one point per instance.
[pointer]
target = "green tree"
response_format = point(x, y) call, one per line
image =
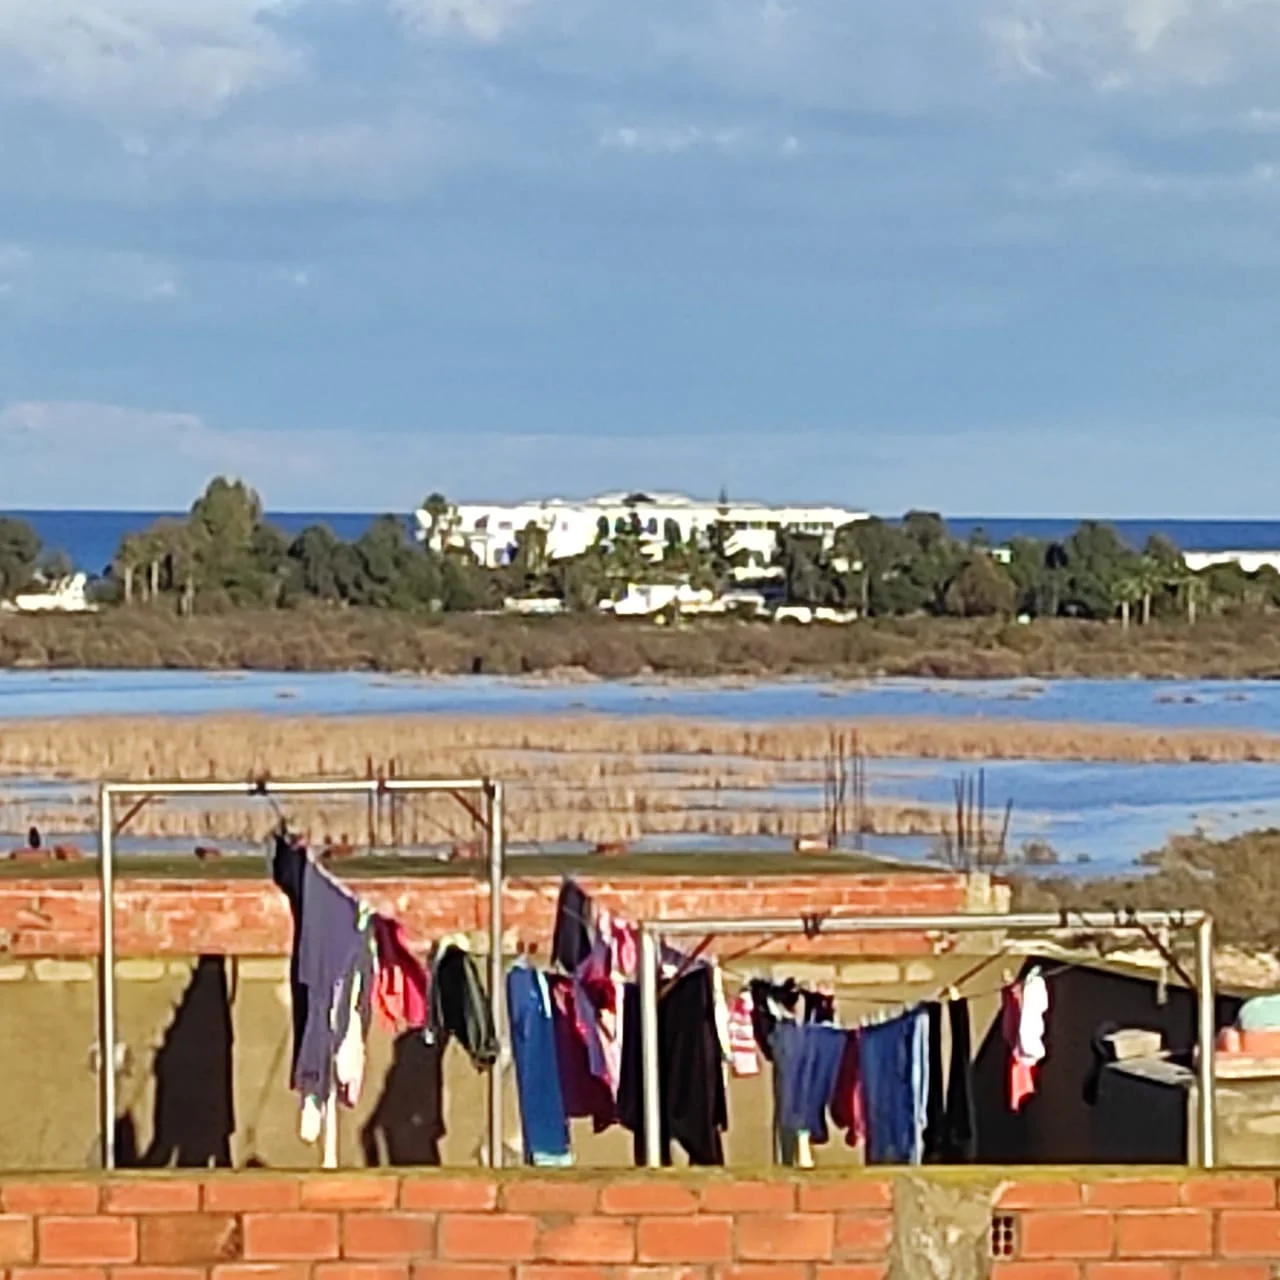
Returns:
point(19, 555)
point(981, 589)
point(1097, 561)
point(234, 555)
point(324, 567)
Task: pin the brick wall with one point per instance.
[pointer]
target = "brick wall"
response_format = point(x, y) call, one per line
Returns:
point(375, 1227)
point(1208, 1227)
point(266, 1226)
point(59, 918)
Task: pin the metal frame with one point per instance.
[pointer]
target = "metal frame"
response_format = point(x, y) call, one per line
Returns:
point(1125, 922)
point(142, 792)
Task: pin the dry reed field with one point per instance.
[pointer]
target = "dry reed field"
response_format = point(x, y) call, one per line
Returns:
point(574, 778)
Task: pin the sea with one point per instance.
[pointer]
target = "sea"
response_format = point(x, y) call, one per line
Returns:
point(90, 538)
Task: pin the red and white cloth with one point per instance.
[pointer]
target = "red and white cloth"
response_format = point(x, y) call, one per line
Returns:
point(1025, 1005)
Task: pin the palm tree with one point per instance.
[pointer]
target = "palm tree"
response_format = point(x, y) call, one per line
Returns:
point(127, 561)
point(1129, 590)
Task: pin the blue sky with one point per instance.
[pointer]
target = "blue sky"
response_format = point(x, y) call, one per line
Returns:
point(998, 256)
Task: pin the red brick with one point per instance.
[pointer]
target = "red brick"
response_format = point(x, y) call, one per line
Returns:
point(92, 1240)
point(1038, 1195)
point(1229, 1192)
point(360, 1271)
point(1035, 1271)
point(636, 1198)
point(550, 1195)
point(1129, 1271)
point(290, 1237)
point(552, 1271)
point(863, 1235)
point(343, 1191)
point(660, 1273)
point(449, 1195)
point(1249, 1233)
point(388, 1235)
point(252, 1193)
point(850, 1193)
point(188, 1239)
point(1132, 1193)
point(64, 1198)
point(487, 1237)
point(703, 1239)
point(765, 1271)
point(158, 1273)
point(1172, 1233)
point(17, 1240)
point(1086, 1233)
point(787, 1237)
point(748, 1197)
point(263, 1271)
point(154, 1195)
point(58, 1273)
point(449, 1271)
point(1225, 1271)
point(853, 1271)
point(588, 1240)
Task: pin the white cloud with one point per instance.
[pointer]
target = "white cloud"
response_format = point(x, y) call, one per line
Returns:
point(670, 141)
point(184, 55)
point(1115, 45)
point(483, 20)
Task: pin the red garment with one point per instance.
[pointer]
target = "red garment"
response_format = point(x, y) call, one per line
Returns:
point(848, 1103)
point(400, 993)
point(584, 1094)
point(1022, 1073)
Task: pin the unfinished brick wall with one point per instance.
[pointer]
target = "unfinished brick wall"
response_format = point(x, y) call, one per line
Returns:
point(1197, 1227)
point(58, 918)
point(422, 1226)
point(378, 1227)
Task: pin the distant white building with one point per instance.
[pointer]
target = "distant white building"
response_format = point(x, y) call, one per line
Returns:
point(490, 531)
point(1249, 561)
point(67, 595)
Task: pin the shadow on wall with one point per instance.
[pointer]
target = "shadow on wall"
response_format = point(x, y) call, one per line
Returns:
point(407, 1123)
point(194, 1115)
point(1057, 1125)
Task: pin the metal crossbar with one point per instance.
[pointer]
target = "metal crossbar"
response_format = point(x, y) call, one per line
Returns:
point(1119, 922)
point(490, 795)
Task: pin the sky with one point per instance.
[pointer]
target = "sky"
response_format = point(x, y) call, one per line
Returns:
point(1009, 257)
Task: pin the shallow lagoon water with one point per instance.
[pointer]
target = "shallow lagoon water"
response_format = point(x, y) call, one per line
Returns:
point(1236, 704)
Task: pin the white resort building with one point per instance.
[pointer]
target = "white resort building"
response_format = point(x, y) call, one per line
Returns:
point(490, 530)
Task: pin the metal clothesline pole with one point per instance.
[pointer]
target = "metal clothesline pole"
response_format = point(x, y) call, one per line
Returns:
point(1121, 922)
point(107, 1031)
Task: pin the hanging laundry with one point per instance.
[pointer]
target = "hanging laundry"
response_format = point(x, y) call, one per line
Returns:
point(959, 1132)
point(744, 1054)
point(459, 1006)
point(584, 1094)
point(1025, 1006)
point(533, 1047)
point(571, 943)
point(848, 1108)
point(600, 980)
point(770, 1003)
point(330, 966)
point(894, 1061)
point(403, 985)
point(810, 1066)
point(694, 1109)
point(949, 1135)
